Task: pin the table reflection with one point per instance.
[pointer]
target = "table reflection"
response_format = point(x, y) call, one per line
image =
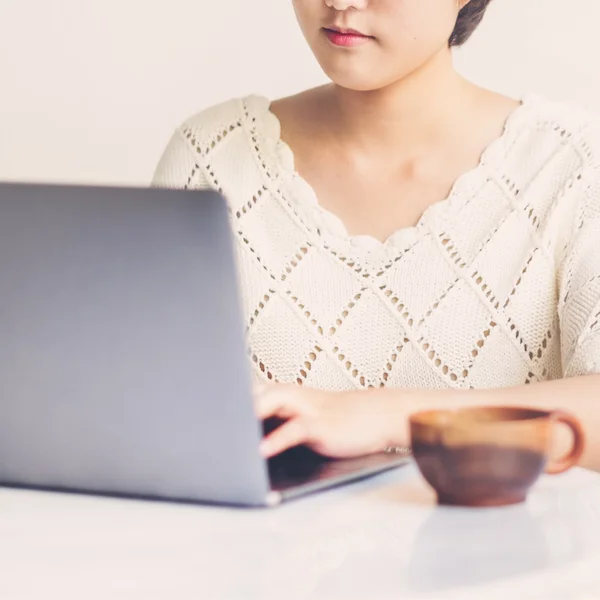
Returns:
point(461, 546)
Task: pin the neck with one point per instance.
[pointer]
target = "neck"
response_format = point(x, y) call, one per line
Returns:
point(414, 112)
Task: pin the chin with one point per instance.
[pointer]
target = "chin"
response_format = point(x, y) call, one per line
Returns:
point(358, 87)
point(365, 77)
point(358, 83)
point(369, 74)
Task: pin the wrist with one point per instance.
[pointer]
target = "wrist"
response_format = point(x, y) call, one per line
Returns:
point(397, 404)
point(394, 409)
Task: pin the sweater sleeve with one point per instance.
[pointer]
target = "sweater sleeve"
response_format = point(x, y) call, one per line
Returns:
point(178, 167)
point(579, 305)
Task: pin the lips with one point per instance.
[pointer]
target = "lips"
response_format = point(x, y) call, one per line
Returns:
point(347, 31)
point(346, 37)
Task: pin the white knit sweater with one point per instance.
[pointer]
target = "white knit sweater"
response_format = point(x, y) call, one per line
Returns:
point(497, 285)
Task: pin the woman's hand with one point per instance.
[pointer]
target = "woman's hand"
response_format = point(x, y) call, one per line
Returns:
point(340, 424)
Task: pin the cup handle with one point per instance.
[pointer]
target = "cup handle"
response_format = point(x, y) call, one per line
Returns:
point(572, 458)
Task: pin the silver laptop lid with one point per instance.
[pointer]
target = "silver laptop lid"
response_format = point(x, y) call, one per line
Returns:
point(122, 351)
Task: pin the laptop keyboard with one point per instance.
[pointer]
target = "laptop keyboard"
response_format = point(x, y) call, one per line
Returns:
point(296, 462)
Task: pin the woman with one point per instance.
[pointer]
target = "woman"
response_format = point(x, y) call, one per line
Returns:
point(406, 239)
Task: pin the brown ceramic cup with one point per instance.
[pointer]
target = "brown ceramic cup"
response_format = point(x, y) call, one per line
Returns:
point(489, 456)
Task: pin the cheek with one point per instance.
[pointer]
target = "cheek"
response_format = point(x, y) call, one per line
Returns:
point(417, 23)
point(308, 12)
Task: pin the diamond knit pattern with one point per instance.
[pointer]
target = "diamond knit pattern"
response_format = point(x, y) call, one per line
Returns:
point(497, 285)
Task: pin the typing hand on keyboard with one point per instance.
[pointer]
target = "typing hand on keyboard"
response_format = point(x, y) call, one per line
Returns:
point(333, 424)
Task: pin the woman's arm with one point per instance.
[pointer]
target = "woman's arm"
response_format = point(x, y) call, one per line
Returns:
point(577, 395)
point(343, 424)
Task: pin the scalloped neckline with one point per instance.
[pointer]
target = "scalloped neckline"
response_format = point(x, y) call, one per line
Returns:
point(404, 236)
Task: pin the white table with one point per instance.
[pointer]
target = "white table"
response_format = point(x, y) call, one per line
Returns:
point(378, 538)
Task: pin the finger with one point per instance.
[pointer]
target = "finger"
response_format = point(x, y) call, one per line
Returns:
point(290, 434)
point(277, 400)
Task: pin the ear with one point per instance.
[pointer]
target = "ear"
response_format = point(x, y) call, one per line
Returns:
point(462, 3)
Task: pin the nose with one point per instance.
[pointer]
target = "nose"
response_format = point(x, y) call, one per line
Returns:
point(347, 4)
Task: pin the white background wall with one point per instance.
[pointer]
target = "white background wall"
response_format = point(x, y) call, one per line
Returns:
point(91, 90)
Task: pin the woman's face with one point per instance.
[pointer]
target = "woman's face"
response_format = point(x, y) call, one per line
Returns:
point(404, 35)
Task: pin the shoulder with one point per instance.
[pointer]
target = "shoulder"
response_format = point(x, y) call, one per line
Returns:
point(551, 150)
point(548, 164)
point(212, 125)
point(217, 144)
point(578, 153)
point(562, 151)
point(560, 127)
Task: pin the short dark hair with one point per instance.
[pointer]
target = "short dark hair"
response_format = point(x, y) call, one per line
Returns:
point(468, 20)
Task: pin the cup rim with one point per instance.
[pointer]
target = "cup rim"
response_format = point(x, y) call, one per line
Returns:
point(426, 417)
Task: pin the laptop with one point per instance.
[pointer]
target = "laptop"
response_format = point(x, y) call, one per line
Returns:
point(123, 361)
